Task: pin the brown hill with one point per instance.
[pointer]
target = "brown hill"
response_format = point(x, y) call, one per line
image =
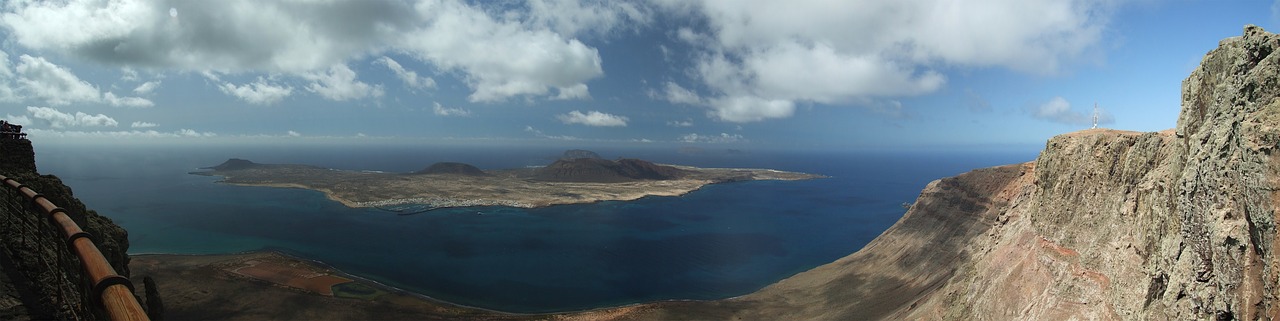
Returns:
point(596, 170)
point(453, 169)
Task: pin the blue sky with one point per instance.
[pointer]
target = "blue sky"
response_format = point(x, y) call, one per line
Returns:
point(719, 74)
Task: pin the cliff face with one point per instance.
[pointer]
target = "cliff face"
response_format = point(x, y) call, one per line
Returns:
point(40, 278)
point(1104, 224)
point(1166, 226)
point(1174, 225)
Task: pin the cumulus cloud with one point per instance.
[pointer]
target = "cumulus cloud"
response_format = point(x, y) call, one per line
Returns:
point(409, 77)
point(540, 134)
point(498, 53)
point(146, 87)
point(749, 108)
point(674, 93)
point(572, 17)
point(38, 78)
point(714, 139)
point(20, 120)
point(680, 123)
point(339, 83)
point(134, 102)
point(593, 118)
point(293, 134)
point(441, 110)
point(759, 58)
point(259, 92)
point(132, 134)
point(501, 57)
point(54, 118)
point(1058, 110)
point(143, 124)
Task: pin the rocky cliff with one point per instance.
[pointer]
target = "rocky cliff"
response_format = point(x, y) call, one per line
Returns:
point(1104, 224)
point(39, 277)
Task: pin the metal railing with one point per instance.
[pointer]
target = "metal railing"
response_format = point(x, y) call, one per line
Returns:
point(114, 291)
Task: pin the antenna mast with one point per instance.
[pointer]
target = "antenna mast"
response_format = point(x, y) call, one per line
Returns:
point(1095, 115)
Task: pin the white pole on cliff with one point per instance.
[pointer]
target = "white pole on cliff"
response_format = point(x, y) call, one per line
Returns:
point(1095, 116)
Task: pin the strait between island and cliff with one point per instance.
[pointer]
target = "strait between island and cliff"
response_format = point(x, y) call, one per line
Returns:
point(569, 180)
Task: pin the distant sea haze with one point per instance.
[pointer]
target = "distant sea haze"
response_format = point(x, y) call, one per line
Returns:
point(721, 241)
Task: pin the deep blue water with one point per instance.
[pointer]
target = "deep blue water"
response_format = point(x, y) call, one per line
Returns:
point(722, 241)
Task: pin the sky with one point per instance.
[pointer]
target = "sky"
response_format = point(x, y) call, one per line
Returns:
point(804, 74)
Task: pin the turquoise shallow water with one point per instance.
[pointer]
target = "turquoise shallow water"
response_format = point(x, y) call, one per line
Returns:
point(722, 241)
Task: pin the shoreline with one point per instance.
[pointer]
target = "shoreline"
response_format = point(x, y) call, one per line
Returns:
point(510, 188)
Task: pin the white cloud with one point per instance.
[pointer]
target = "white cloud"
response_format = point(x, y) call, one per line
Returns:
point(573, 17)
point(184, 133)
point(674, 93)
point(134, 102)
point(593, 118)
point(409, 77)
point(146, 87)
point(41, 79)
point(680, 123)
point(578, 91)
point(259, 92)
point(20, 120)
point(714, 139)
point(56, 119)
point(498, 51)
point(340, 83)
point(7, 92)
point(786, 52)
point(192, 133)
point(540, 134)
point(745, 108)
point(1058, 110)
point(441, 110)
point(501, 57)
point(143, 124)
point(38, 79)
point(128, 74)
point(293, 134)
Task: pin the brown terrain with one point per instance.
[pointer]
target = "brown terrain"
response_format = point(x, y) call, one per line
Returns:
point(1104, 224)
point(566, 181)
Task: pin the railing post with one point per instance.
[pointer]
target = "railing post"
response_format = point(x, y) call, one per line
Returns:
point(115, 292)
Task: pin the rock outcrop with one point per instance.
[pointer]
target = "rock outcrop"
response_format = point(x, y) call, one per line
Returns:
point(1103, 225)
point(594, 170)
point(452, 168)
point(39, 277)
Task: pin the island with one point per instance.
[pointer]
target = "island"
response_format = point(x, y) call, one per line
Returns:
point(577, 177)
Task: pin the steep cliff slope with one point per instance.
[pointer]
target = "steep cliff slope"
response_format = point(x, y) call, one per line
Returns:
point(1104, 224)
point(39, 277)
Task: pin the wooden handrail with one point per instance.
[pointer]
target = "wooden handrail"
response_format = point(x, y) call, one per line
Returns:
point(114, 291)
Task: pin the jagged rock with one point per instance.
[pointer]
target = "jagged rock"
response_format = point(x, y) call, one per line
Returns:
point(16, 156)
point(155, 304)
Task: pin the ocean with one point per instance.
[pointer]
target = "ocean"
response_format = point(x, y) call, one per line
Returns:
point(721, 241)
